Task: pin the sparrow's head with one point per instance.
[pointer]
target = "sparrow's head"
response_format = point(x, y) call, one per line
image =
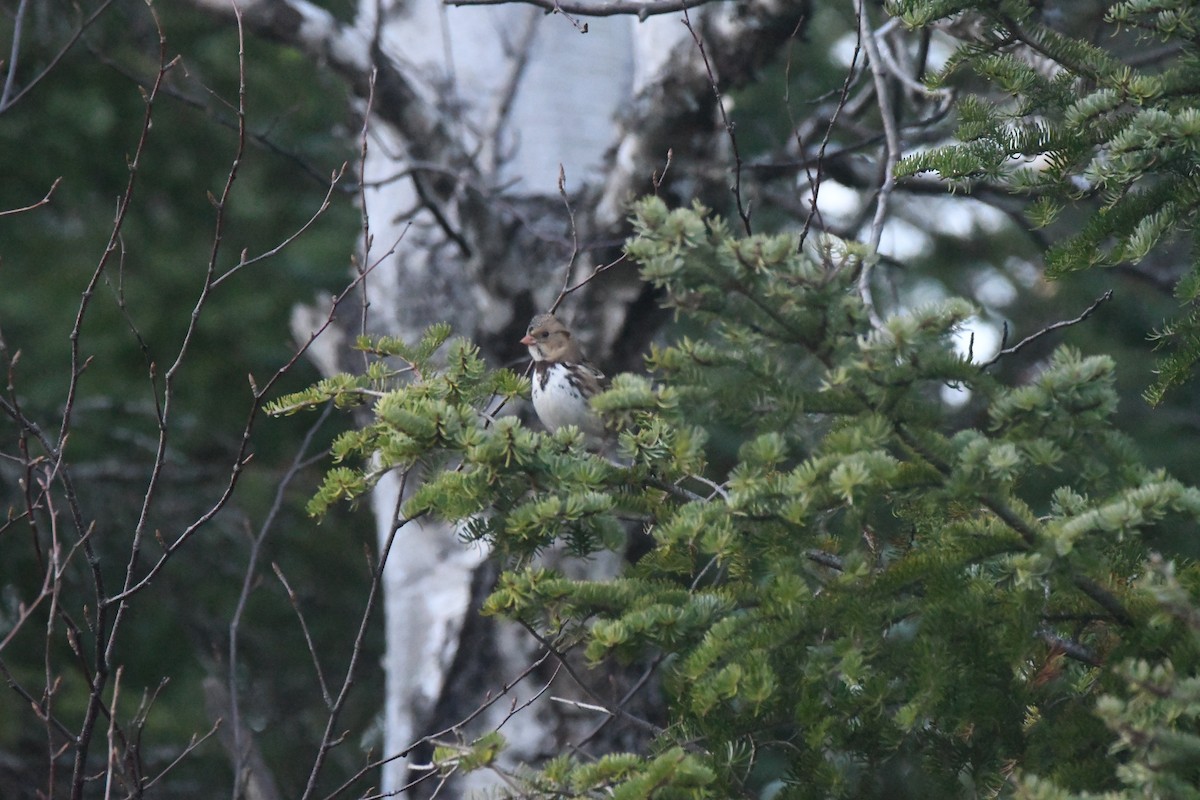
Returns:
point(549, 340)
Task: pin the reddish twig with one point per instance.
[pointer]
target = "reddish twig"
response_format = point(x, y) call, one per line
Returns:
point(562, 192)
point(329, 739)
point(102, 654)
point(244, 262)
point(45, 200)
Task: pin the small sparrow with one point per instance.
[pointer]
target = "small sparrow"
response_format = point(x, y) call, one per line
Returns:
point(563, 381)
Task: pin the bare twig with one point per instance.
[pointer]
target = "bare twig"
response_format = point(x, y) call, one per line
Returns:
point(651, 668)
point(242, 457)
point(14, 55)
point(194, 742)
point(1008, 351)
point(361, 267)
point(274, 251)
point(491, 700)
point(743, 212)
point(312, 649)
point(100, 625)
point(9, 99)
point(814, 180)
point(38, 204)
point(657, 177)
point(596, 270)
point(248, 581)
point(898, 72)
point(891, 157)
point(517, 53)
point(641, 10)
point(562, 192)
point(110, 770)
point(166, 401)
point(329, 738)
point(588, 690)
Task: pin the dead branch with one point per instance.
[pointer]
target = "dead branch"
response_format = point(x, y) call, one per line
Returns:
point(641, 10)
point(1033, 337)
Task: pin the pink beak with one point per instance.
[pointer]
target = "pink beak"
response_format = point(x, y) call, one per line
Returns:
point(528, 341)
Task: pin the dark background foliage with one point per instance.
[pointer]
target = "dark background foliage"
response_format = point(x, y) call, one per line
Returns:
point(78, 127)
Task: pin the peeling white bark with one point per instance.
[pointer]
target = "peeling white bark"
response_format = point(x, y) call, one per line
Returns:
point(527, 93)
point(427, 597)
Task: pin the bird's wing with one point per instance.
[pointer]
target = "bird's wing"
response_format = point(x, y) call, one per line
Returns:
point(595, 373)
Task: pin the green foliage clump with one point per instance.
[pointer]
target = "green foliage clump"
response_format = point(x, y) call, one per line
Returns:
point(861, 601)
point(1064, 120)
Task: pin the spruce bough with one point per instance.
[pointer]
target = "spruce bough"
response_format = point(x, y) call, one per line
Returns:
point(847, 597)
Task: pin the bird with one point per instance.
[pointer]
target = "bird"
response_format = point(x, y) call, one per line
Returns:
point(564, 383)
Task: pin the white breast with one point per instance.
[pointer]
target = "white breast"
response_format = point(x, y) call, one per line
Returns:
point(558, 402)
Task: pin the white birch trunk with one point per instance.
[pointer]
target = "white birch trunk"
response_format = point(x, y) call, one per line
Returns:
point(528, 93)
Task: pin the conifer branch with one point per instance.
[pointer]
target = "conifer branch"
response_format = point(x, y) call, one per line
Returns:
point(1070, 648)
point(613, 711)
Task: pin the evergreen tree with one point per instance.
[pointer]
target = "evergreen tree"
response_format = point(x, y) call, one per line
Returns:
point(863, 601)
point(1078, 113)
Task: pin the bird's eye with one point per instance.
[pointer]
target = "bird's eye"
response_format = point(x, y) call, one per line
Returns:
point(543, 334)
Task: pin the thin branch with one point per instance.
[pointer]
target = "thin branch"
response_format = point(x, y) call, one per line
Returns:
point(641, 10)
point(562, 192)
point(892, 156)
point(328, 738)
point(263, 140)
point(312, 649)
point(166, 402)
point(852, 75)
point(1069, 648)
point(9, 101)
point(38, 204)
point(242, 457)
point(111, 761)
point(596, 270)
point(588, 690)
point(362, 268)
point(651, 668)
point(743, 213)
point(585, 706)
point(490, 700)
point(14, 56)
point(192, 744)
point(1008, 351)
point(103, 652)
point(25, 610)
point(324, 206)
point(240, 753)
point(517, 55)
point(898, 72)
